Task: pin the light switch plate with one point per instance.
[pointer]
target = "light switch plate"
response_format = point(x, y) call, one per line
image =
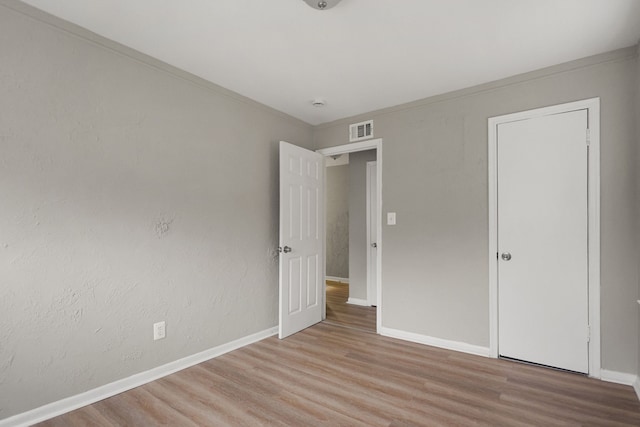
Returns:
point(391, 218)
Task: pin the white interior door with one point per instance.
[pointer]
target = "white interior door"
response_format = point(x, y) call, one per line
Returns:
point(372, 232)
point(542, 240)
point(301, 238)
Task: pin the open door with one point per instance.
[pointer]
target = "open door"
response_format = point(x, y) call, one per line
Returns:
point(301, 238)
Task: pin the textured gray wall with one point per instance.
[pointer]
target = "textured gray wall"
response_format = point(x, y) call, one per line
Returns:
point(338, 221)
point(125, 201)
point(130, 194)
point(435, 260)
point(358, 222)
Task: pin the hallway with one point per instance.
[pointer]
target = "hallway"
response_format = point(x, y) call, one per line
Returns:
point(340, 313)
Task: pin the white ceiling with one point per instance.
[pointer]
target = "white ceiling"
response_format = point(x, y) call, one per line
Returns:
point(361, 55)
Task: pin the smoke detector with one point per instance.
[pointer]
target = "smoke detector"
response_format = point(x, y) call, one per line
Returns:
point(322, 4)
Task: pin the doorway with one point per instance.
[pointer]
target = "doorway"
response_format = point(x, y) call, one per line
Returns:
point(348, 299)
point(341, 313)
point(544, 236)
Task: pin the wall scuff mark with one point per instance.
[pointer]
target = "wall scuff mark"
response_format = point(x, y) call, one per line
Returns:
point(162, 227)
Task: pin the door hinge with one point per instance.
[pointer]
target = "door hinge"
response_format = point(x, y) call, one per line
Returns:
point(588, 137)
point(588, 333)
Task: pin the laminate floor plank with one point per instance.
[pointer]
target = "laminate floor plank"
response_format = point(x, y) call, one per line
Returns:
point(88, 416)
point(348, 315)
point(208, 401)
point(186, 404)
point(258, 396)
point(332, 375)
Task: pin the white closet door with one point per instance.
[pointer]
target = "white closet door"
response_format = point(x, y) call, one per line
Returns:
point(542, 240)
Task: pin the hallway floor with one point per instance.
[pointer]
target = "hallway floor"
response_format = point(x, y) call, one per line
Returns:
point(340, 313)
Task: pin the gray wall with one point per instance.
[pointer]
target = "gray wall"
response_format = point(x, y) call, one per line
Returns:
point(358, 222)
point(435, 260)
point(131, 193)
point(125, 201)
point(337, 221)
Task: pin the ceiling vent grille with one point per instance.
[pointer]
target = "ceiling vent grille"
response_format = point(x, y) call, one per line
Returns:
point(360, 131)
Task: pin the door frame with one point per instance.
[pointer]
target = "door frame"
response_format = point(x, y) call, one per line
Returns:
point(592, 139)
point(371, 287)
point(372, 144)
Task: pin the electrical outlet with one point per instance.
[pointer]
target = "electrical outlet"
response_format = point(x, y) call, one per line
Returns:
point(159, 330)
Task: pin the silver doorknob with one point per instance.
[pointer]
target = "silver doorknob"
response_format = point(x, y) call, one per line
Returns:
point(286, 249)
point(374, 245)
point(506, 256)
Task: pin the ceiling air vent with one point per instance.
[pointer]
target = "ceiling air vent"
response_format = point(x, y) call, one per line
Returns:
point(360, 131)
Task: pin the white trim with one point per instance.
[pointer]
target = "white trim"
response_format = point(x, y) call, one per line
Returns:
point(371, 287)
point(358, 301)
point(337, 279)
point(593, 107)
point(618, 377)
point(492, 159)
point(340, 160)
point(621, 378)
point(99, 393)
point(324, 239)
point(436, 342)
point(372, 144)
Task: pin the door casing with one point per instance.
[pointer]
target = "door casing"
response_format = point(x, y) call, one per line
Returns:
point(372, 235)
point(593, 241)
point(372, 144)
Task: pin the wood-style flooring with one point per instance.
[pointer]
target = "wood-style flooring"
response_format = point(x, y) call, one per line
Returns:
point(334, 376)
point(348, 315)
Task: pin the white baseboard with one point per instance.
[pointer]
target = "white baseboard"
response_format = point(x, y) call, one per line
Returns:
point(358, 301)
point(621, 378)
point(436, 342)
point(87, 398)
point(337, 279)
point(618, 377)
